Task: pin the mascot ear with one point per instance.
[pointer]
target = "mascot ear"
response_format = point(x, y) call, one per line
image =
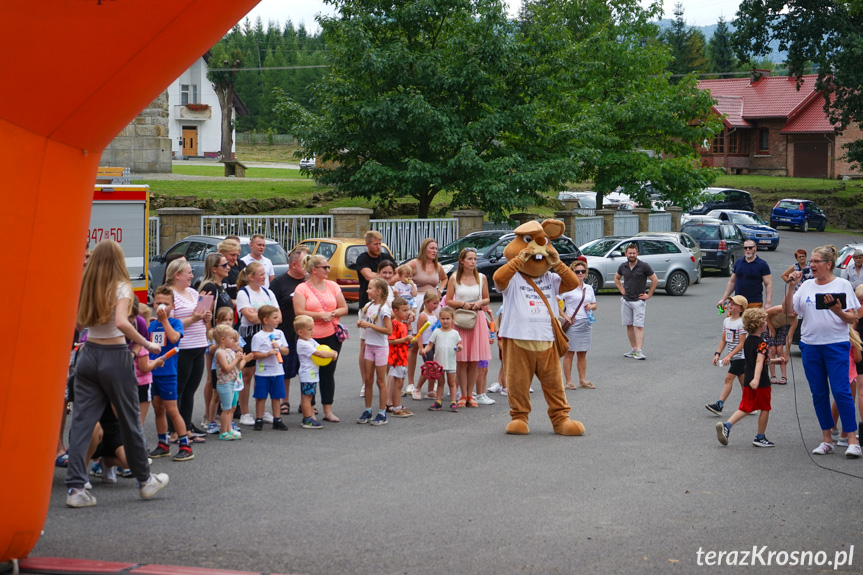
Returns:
point(553, 228)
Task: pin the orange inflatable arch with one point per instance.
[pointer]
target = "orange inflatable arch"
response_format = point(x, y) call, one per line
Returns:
point(75, 72)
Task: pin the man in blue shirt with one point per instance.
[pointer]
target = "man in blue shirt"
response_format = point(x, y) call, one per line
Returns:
point(750, 272)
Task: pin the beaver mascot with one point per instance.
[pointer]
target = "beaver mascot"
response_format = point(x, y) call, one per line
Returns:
point(526, 331)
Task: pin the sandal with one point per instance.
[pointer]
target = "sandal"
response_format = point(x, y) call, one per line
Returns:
point(586, 384)
point(774, 379)
point(196, 439)
point(462, 402)
point(331, 417)
point(471, 402)
point(285, 409)
point(569, 385)
point(62, 460)
point(782, 381)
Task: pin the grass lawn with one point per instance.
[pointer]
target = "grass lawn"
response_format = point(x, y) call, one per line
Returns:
point(218, 170)
point(233, 188)
point(803, 185)
point(265, 153)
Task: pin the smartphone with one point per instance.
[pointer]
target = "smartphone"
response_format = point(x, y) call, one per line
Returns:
point(819, 300)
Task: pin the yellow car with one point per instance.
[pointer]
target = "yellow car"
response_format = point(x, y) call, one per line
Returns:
point(342, 254)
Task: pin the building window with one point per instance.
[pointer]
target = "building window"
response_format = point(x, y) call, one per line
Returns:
point(763, 139)
point(719, 143)
point(738, 142)
point(189, 94)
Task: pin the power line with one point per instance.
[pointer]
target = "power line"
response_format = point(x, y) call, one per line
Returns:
point(264, 69)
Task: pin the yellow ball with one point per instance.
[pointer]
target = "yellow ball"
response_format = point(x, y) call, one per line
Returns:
point(322, 360)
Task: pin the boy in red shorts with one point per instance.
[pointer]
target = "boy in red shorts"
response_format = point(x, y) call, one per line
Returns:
point(756, 387)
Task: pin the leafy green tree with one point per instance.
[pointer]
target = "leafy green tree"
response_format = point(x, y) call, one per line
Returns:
point(610, 103)
point(826, 33)
point(224, 79)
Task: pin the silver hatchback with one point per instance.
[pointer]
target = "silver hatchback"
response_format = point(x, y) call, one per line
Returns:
point(674, 265)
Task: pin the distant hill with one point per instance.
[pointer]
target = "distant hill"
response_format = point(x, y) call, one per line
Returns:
point(775, 56)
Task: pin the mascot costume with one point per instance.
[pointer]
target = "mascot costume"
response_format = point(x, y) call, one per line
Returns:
point(527, 334)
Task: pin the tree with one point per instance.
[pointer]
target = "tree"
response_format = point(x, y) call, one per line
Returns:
point(224, 80)
point(827, 33)
point(687, 45)
point(416, 102)
point(610, 103)
point(720, 50)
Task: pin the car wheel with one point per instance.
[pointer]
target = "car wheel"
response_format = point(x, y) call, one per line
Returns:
point(726, 271)
point(593, 280)
point(805, 227)
point(823, 226)
point(774, 225)
point(151, 291)
point(699, 273)
point(677, 283)
point(772, 248)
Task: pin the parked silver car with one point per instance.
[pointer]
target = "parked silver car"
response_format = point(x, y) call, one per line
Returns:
point(674, 265)
point(689, 243)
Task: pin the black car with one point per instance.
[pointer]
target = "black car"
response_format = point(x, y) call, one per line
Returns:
point(197, 248)
point(489, 251)
point(721, 243)
point(724, 199)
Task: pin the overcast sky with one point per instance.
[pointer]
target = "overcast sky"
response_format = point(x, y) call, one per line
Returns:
point(696, 12)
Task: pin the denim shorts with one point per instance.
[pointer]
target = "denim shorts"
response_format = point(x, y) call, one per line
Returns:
point(227, 396)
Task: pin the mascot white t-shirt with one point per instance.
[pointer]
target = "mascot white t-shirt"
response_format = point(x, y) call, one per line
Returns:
point(526, 315)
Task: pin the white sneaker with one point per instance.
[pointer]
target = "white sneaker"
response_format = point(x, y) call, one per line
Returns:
point(363, 391)
point(156, 483)
point(267, 417)
point(408, 390)
point(417, 394)
point(843, 442)
point(494, 388)
point(503, 391)
point(88, 485)
point(484, 399)
point(457, 394)
point(824, 449)
point(630, 353)
point(79, 498)
point(835, 435)
point(853, 452)
point(531, 390)
point(109, 475)
point(638, 354)
point(247, 419)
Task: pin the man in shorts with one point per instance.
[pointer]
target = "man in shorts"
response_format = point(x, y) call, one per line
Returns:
point(634, 274)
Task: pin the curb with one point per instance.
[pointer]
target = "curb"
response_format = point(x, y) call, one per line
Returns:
point(65, 566)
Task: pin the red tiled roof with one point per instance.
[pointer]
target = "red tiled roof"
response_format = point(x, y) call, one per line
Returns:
point(770, 97)
point(811, 119)
point(731, 107)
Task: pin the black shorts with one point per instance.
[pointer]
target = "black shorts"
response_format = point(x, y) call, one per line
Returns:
point(737, 367)
point(144, 393)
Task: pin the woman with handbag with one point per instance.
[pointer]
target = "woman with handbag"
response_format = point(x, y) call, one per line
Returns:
point(467, 293)
point(323, 301)
point(577, 324)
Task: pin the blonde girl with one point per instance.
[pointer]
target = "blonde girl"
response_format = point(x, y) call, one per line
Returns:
point(224, 316)
point(378, 326)
point(228, 379)
point(431, 301)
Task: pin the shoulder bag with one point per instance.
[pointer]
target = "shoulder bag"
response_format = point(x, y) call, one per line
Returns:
point(466, 318)
point(342, 332)
point(568, 320)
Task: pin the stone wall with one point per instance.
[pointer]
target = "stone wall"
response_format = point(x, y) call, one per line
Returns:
point(145, 144)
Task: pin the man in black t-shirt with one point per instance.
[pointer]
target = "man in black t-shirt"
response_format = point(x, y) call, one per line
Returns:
point(283, 287)
point(631, 281)
point(367, 264)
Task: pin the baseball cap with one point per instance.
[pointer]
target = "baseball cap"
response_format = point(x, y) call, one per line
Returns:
point(740, 300)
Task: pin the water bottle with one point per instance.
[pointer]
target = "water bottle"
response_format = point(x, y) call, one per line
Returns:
point(590, 317)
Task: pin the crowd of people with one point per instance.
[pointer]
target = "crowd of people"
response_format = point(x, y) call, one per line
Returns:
point(251, 333)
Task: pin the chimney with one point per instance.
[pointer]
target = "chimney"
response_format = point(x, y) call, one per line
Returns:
point(756, 75)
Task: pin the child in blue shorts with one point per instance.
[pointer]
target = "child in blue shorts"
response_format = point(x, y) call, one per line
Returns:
point(229, 382)
point(308, 373)
point(268, 345)
point(167, 331)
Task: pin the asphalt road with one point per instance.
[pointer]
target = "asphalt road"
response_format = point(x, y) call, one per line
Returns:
point(643, 491)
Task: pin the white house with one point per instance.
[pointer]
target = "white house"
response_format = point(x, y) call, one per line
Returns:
point(195, 114)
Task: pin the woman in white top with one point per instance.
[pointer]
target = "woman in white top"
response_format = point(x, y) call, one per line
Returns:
point(825, 344)
point(251, 295)
point(193, 345)
point(577, 303)
point(468, 289)
point(105, 373)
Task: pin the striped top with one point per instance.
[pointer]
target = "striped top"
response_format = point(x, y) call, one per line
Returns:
point(195, 334)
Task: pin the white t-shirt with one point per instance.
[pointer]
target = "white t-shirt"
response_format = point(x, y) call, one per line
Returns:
point(110, 330)
point(445, 343)
point(247, 297)
point(308, 369)
point(822, 326)
point(732, 329)
point(264, 261)
point(375, 313)
point(573, 297)
point(526, 314)
point(263, 341)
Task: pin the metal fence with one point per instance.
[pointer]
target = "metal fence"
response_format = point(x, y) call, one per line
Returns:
point(659, 222)
point(585, 211)
point(286, 230)
point(264, 138)
point(625, 225)
point(588, 229)
point(494, 226)
point(153, 247)
point(404, 237)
